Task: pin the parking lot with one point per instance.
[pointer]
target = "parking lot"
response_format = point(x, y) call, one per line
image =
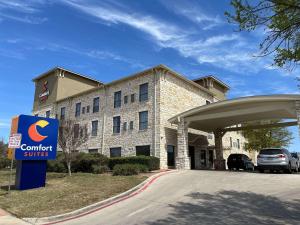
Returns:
point(208, 197)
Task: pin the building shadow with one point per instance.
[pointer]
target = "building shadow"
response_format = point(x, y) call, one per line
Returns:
point(232, 207)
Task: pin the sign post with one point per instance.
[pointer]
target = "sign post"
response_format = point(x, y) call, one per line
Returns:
point(33, 141)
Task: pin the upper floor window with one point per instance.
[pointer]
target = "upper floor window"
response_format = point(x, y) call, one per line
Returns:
point(77, 109)
point(117, 99)
point(83, 110)
point(132, 98)
point(143, 92)
point(48, 113)
point(116, 124)
point(96, 103)
point(125, 99)
point(238, 143)
point(62, 113)
point(88, 109)
point(143, 120)
point(36, 114)
point(230, 139)
point(94, 127)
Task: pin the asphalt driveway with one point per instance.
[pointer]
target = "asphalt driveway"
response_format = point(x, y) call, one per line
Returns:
point(208, 197)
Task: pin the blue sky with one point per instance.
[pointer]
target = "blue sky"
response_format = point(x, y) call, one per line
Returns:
point(109, 39)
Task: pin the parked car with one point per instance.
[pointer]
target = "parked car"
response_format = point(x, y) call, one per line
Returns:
point(276, 159)
point(296, 155)
point(239, 161)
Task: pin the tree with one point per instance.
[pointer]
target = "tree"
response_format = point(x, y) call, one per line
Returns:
point(71, 137)
point(266, 137)
point(281, 22)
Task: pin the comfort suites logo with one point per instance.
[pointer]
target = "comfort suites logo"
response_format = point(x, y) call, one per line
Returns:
point(45, 92)
point(39, 138)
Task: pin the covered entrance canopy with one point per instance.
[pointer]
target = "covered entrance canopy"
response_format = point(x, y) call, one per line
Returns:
point(219, 117)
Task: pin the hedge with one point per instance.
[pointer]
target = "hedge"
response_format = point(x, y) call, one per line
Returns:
point(150, 161)
point(128, 169)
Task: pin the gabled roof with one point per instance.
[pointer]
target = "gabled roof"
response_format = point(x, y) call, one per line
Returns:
point(63, 69)
point(215, 79)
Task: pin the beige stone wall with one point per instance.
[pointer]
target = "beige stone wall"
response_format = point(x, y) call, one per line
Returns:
point(176, 96)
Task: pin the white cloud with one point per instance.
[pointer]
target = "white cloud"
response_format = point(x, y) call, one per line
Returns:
point(4, 124)
point(21, 11)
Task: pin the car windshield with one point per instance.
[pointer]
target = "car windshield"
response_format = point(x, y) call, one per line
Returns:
point(270, 151)
point(294, 155)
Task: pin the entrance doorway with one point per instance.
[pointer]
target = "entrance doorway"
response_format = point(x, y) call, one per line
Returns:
point(192, 156)
point(171, 156)
point(203, 162)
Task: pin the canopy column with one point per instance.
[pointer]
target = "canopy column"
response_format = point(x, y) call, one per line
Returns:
point(297, 103)
point(182, 159)
point(219, 162)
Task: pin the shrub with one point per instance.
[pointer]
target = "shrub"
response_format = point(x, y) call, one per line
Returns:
point(127, 169)
point(152, 163)
point(4, 163)
point(99, 169)
point(58, 165)
point(84, 162)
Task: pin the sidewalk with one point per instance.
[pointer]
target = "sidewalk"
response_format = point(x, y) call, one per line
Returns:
point(8, 219)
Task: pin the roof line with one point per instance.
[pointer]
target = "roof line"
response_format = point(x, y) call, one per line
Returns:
point(236, 100)
point(69, 71)
point(215, 78)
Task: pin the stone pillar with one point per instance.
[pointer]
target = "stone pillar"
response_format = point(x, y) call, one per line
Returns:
point(219, 162)
point(182, 159)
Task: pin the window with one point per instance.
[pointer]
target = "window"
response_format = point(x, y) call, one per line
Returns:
point(238, 144)
point(76, 130)
point(83, 110)
point(143, 120)
point(36, 114)
point(94, 127)
point(125, 126)
point(143, 150)
point(88, 109)
point(131, 125)
point(117, 99)
point(62, 113)
point(115, 152)
point(96, 103)
point(48, 113)
point(77, 109)
point(132, 98)
point(230, 142)
point(116, 124)
point(93, 150)
point(207, 102)
point(126, 99)
point(143, 92)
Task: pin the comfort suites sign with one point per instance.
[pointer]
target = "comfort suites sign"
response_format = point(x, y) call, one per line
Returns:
point(39, 138)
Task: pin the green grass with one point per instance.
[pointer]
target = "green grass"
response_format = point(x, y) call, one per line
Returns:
point(63, 193)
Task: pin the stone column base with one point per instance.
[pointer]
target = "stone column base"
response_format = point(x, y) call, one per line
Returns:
point(219, 164)
point(183, 163)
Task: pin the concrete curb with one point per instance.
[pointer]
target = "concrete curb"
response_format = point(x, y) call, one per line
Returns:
point(99, 205)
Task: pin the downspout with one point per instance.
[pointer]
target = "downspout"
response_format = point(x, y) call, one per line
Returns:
point(104, 119)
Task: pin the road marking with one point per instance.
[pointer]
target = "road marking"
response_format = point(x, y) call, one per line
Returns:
point(138, 211)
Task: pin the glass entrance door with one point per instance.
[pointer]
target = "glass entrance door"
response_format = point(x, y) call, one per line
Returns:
point(203, 158)
point(171, 156)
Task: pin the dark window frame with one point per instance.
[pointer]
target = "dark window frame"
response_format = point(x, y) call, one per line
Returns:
point(94, 132)
point(131, 125)
point(116, 124)
point(125, 99)
point(143, 150)
point(144, 92)
point(117, 99)
point(76, 130)
point(132, 98)
point(96, 104)
point(77, 109)
point(48, 112)
point(115, 152)
point(143, 125)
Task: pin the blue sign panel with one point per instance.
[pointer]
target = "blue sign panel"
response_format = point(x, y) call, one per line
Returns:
point(39, 138)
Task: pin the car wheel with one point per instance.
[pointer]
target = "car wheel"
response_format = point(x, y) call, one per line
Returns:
point(289, 169)
point(297, 168)
point(261, 170)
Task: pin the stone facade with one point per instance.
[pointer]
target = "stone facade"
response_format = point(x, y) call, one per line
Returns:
point(168, 95)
